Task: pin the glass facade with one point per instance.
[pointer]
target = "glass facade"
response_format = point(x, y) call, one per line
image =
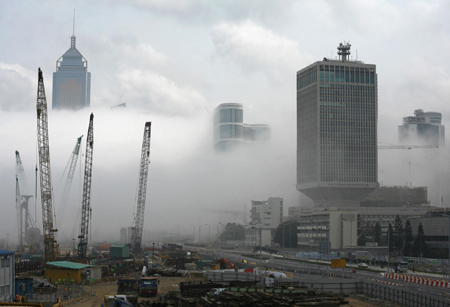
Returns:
point(337, 123)
point(71, 81)
point(228, 126)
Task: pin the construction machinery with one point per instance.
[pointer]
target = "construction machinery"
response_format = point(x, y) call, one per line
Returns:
point(72, 166)
point(51, 246)
point(86, 210)
point(24, 219)
point(138, 223)
point(407, 146)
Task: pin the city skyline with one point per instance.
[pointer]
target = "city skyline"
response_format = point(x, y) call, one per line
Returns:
point(173, 63)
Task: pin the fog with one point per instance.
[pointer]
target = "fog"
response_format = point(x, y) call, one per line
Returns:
point(185, 175)
point(172, 63)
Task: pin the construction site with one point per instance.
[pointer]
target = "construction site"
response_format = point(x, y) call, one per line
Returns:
point(41, 273)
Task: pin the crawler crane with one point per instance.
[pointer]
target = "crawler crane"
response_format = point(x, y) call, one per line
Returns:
point(138, 224)
point(45, 172)
point(86, 205)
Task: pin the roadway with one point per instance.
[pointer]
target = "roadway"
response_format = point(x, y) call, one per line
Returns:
point(314, 270)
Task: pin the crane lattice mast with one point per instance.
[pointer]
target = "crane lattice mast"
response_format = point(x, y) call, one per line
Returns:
point(86, 204)
point(18, 209)
point(138, 227)
point(72, 166)
point(45, 172)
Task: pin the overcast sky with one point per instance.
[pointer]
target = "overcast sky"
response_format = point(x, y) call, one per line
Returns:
point(172, 63)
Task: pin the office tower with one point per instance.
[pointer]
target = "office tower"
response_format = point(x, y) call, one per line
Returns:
point(231, 132)
point(71, 81)
point(337, 130)
point(424, 128)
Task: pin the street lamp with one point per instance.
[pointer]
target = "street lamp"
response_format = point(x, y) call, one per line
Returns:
point(193, 234)
point(153, 254)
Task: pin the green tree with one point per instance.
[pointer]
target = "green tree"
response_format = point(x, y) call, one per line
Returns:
point(390, 240)
point(286, 234)
point(377, 234)
point(408, 240)
point(362, 239)
point(399, 235)
point(233, 231)
point(420, 247)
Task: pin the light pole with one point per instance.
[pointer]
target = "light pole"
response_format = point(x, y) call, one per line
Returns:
point(153, 254)
point(193, 234)
point(209, 233)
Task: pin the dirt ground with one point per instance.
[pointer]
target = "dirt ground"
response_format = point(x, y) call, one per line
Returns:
point(101, 290)
point(166, 284)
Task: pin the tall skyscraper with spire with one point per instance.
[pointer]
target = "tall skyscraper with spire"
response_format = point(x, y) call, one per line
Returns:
point(71, 81)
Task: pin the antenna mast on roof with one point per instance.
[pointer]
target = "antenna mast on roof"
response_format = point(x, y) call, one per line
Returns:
point(344, 51)
point(73, 39)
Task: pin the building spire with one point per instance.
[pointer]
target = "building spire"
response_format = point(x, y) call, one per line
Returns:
point(73, 39)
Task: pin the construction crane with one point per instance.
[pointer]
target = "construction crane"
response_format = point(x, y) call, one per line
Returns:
point(45, 172)
point(18, 209)
point(86, 210)
point(406, 146)
point(138, 223)
point(72, 164)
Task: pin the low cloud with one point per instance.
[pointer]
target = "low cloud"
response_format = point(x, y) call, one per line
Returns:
point(16, 87)
point(256, 49)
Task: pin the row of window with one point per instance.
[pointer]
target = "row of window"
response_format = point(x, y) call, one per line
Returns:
point(4, 263)
point(229, 116)
point(4, 290)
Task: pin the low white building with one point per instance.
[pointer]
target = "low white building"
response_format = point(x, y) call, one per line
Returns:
point(7, 276)
point(339, 226)
point(258, 236)
point(267, 213)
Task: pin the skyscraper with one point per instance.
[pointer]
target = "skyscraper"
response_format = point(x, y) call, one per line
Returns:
point(230, 130)
point(423, 128)
point(71, 81)
point(337, 130)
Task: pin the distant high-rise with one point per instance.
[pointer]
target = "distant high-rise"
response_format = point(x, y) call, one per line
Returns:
point(337, 130)
point(423, 128)
point(71, 81)
point(230, 130)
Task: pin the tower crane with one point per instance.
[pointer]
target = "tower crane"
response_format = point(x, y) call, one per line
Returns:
point(45, 172)
point(72, 164)
point(86, 210)
point(407, 146)
point(138, 223)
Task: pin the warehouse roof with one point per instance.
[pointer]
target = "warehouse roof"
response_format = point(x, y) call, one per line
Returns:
point(5, 252)
point(69, 265)
point(118, 245)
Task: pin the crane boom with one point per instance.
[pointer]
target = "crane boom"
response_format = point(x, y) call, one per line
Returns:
point(406, 146)
point(86, 205)
point(18, 209)
point(72, 166)
point(45, 172)
point(138, 227)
